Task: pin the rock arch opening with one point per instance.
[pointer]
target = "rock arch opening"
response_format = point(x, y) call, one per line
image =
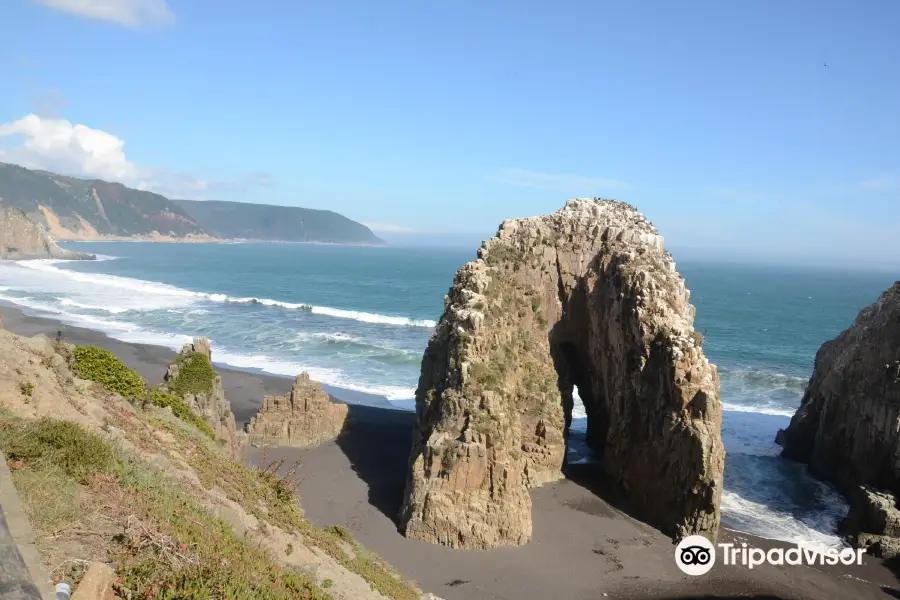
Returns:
point(586, 299)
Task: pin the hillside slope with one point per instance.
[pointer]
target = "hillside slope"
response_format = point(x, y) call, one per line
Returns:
point(74, 208)
point(111, 470)
point(265, 222)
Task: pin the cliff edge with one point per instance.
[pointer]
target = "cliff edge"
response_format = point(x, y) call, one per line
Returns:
point(586, 297)
point(21, 239)
point(848, 425)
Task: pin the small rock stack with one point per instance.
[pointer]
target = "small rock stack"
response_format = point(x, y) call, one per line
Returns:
point(304, 417)
point(213, 407)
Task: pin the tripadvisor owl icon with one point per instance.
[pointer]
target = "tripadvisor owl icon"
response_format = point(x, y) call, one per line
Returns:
point(695, 555)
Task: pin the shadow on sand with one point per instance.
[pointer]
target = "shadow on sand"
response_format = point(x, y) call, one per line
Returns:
point(377, 443)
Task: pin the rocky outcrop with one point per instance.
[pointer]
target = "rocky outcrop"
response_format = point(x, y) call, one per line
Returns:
point(584, 297)
point(21, 238)
point(873, 522)
point(304, 417)
point(848, 425)
point(210, 403)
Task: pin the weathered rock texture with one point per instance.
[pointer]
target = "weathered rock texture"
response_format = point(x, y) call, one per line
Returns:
point(848, 425)
point(21, 238)
point(213, 406)
point(584, 297)
point(304, 417)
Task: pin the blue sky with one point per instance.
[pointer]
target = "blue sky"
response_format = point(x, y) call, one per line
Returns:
point(436, 120)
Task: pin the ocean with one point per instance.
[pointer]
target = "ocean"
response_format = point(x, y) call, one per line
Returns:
point(359, 318)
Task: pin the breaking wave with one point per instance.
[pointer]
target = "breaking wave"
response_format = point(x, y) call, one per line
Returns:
point(158, 290)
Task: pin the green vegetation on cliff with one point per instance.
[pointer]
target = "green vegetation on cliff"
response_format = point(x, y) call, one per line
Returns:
point(181, 410)
point(104, 367)
point(166, 547)
point(108, 208)
point(195, 375)
point(101, 365)
point(239, 220)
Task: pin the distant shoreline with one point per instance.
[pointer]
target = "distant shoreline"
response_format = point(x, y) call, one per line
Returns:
point(211, 240)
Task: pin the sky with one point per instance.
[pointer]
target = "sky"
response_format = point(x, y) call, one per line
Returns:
point(763, 129)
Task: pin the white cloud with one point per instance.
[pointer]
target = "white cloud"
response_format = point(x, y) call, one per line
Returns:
point(59, 146)
point(577, 185)
point(887, 182)
point(130, 13)
point(389, 228)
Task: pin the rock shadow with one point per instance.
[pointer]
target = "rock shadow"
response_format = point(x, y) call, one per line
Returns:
point(377, 443)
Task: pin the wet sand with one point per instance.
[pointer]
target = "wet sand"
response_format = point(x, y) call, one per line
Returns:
point(582, 547)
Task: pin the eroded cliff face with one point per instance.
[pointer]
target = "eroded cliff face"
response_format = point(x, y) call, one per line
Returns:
point(848, 425)
point(584, 297)
point(210, 403)
point(304, 417)
point(21, 238)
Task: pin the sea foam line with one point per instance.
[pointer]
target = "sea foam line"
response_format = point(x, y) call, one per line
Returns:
point(155, 287)
point(135, 334)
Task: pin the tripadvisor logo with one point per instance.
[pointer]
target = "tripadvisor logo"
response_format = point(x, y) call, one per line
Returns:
point(696, 555)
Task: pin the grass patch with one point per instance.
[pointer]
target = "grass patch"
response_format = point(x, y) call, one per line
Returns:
point(50, 497)
point(195, 375)
point(62, 445)
point(260, 490)
point(364, 563)
point(100, 365)
point(193, 556)
point(180, 409)
point(27, 389)
point(167, 547)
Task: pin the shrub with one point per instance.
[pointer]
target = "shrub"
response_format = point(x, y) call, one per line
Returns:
point(180, 409)
point(698, 338)
point(27, 389)
point(60, 444)
point(195, 375)
point(102, 366)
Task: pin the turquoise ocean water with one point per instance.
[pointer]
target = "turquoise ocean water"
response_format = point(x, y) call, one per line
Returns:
point(359, 318)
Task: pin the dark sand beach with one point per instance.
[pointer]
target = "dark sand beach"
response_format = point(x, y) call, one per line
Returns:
point(582, 547)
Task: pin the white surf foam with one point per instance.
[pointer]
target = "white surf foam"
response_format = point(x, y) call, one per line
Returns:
point(110, 309)
point(333, 377)
point(113, 281)
point(778, 525)
point(366, 317)
point(165, 295)
point(338, 313)
point(762, 410)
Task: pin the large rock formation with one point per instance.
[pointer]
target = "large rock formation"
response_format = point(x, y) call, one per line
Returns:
point(584, 297)
point(206, 398)
point(304, 417)
point(21, 238)
point(848, 425)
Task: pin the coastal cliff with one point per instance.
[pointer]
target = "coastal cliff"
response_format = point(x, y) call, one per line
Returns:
point(21, 238)
point(848, 425)
point(586, 297)
point(304, 417)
